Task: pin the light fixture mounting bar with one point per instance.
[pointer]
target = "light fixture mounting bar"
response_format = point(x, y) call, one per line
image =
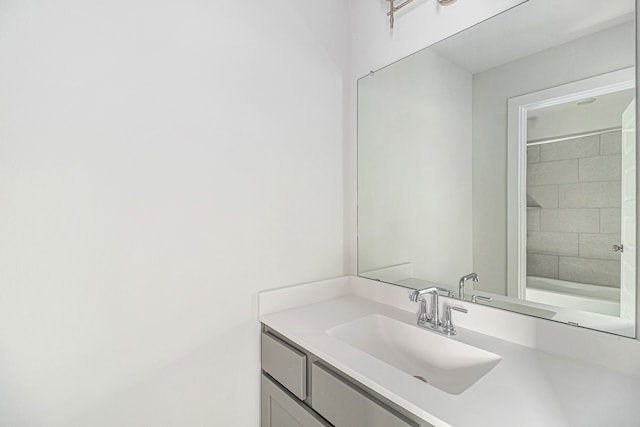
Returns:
point(393, 9)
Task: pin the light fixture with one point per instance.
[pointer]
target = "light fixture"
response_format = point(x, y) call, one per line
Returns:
point(393, 8)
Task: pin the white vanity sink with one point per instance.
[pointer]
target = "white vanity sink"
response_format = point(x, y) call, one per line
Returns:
point(443, 362)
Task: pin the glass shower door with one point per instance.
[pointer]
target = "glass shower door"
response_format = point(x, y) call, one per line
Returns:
point(628, 213)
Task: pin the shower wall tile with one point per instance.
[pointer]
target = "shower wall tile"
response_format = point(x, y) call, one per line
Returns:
point(556, 172)
point(610, 220)
point(589, 195)
point(533, 154)
point(542, 266)
point(611, 143)
point(551, 243)
point(601, 168)
point(572, 149)
point(576, 184)
point(533, 219)
point(599, 246)
point(591, 271)
point(545, 195)
point(570, 220)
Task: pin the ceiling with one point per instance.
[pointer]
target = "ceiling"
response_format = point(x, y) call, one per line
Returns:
point(570, 118)
point(532, 27)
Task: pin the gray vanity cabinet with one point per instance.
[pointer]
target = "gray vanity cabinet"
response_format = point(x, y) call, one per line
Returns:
point(281, 409)
point(284, 386)
point(285, 364)
point(345, 405)
point(301, 390)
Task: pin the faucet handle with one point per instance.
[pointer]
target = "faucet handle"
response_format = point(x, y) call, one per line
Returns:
point(447, 292)
point(476, 298)
point(449, 328)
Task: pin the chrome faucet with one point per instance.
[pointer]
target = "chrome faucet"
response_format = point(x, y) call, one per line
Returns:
point(417, 293)
point(471, 276)
point(423, 317)
point(434, 322)
point(448, 292)
point(448, 327)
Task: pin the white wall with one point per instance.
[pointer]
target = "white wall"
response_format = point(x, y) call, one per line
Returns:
point(418, 25)
point(160, 163)
point(586, 57)
point(414, 130)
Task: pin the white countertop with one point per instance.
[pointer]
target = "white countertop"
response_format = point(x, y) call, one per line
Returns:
point(527, 387)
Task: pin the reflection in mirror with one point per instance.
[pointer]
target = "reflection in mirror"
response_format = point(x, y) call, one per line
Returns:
point(566, 199)
point(509, 150)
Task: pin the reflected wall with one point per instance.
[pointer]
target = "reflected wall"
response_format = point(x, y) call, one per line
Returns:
point(417, 206)
point(596, 54)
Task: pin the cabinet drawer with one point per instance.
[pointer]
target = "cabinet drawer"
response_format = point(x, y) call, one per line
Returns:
point(343, 405)
point(285, 364)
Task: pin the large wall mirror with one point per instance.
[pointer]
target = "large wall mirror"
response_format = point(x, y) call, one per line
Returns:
point(509, 150)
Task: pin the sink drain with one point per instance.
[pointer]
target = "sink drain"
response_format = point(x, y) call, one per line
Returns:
point(420, 378)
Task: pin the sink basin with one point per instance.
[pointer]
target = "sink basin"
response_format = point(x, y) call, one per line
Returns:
point(444, 363)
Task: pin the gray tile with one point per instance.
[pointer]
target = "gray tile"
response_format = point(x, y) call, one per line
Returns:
point(601, 168)
point(610, 220)
point(533, 154)
point(542, 265)
point(533, 219)
point(560, 172)
point(599, 246)
point(552, 243)
point(545, 196)
point(570, 220)
point(589, 195)
point(571, 149)
point(590, 271)
point(611, 143)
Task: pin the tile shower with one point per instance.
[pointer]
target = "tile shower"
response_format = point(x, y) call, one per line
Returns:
point(573, 210)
